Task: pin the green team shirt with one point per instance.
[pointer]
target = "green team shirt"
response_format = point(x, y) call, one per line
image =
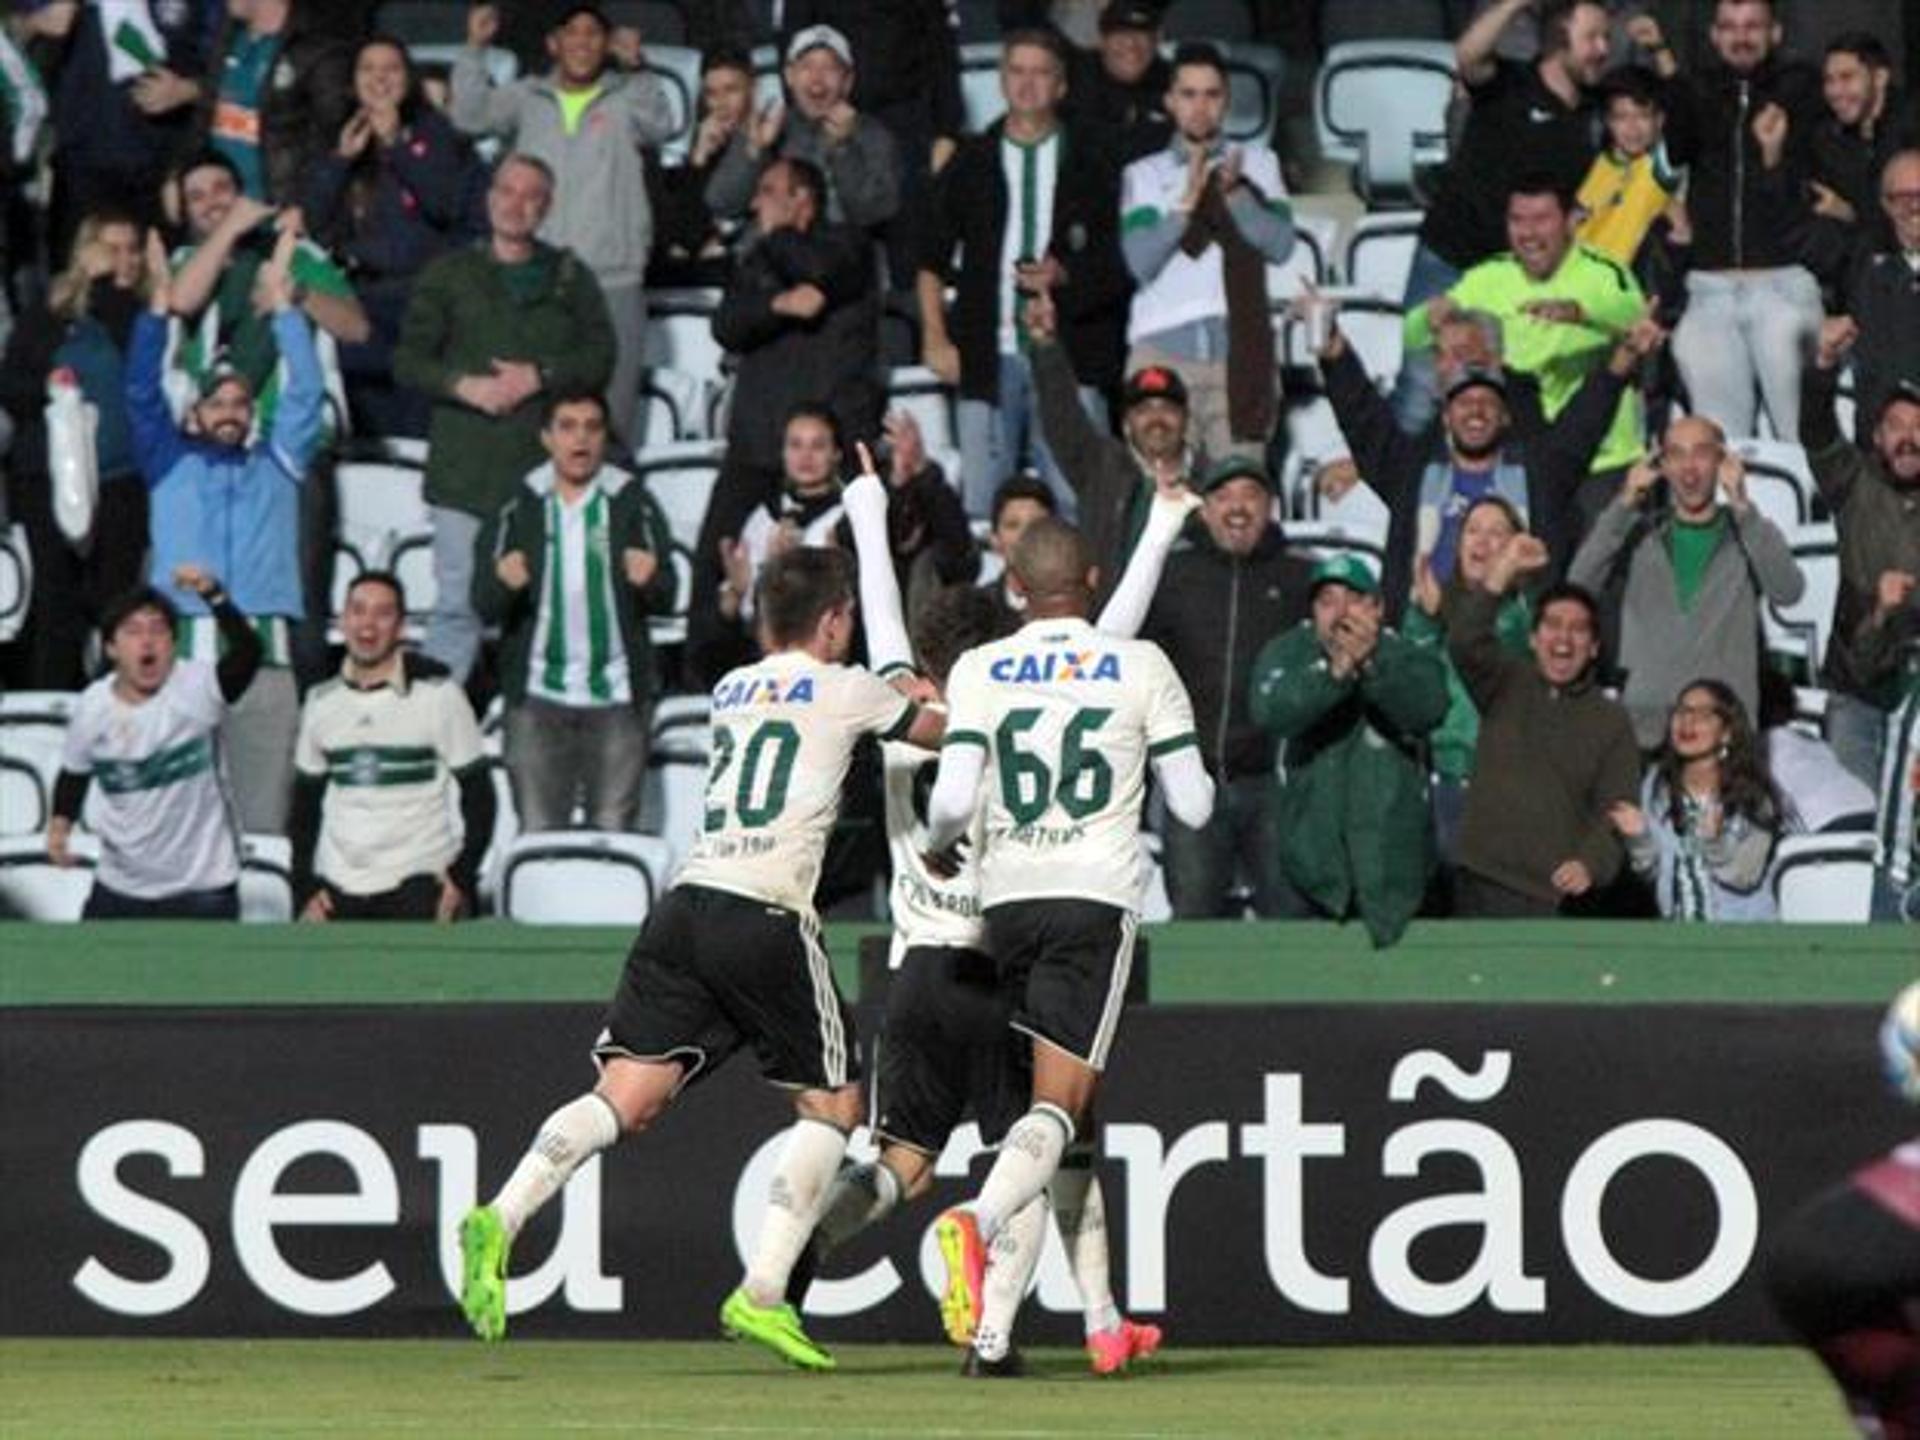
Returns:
point(1692, 548)
point(1559, 356)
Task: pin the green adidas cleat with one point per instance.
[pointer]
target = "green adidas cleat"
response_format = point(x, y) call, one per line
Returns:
point(483, 1285)
point(777, 1327)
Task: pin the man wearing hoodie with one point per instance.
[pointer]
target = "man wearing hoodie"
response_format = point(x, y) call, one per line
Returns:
point(587, 119)
point(570, 569)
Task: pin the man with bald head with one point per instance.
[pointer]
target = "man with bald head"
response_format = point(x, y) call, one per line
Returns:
point(1882, 298)
point(1699, 557)
point(1055, 726)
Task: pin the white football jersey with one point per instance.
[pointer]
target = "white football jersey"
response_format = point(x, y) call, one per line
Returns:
point(1069, 719)
point(160, 803)
point(927, 910)
point(783, 732)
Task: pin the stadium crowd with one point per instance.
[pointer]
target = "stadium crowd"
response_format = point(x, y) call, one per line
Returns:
point(1502, 638)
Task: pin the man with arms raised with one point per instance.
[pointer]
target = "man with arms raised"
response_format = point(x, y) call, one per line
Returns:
point(1059, 722)
point(732, 956)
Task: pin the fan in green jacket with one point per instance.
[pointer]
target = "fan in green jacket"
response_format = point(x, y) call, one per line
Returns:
point(1352, 704)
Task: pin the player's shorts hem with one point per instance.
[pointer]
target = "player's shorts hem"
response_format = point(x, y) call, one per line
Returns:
point(690, 1058)
point(1052, 1044)
point(884, 1138)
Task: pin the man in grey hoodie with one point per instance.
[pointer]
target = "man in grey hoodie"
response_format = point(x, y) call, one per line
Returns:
point(855, 152)
point(588, 120)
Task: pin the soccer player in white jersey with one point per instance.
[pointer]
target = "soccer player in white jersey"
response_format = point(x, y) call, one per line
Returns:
point(1058, 724)
point(945, 1043)
point(737, 937)
point(147, 737)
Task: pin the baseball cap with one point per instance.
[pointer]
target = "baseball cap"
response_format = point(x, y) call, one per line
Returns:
point(1129, 15)
point(1345, 569)
point(566, 16)
point(815, 37)
point(1475, 375)
point(1154, 382)
point(220, 373)
point(1235, 467)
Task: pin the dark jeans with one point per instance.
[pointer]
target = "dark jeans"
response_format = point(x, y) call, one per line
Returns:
point(560, 755)
point(1241, 843)
point(415, 898)
point(107, 904)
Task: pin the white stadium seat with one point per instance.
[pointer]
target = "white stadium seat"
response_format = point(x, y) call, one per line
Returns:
point(673, 407)
point(1780, 481)
point(1825, 879)
point(381, 502)
point(16, 581)
point(680, 333)
point(1320, 539)
point(33, 730)
point(1800, 631)
point(676, 799)
point(677, 68)
point(32, 887)
point(25, 804)
point(1381, 106)
point(1380, 250)
point(929, 400)
point(506, 829)
point(583, 877)
point(503, 66)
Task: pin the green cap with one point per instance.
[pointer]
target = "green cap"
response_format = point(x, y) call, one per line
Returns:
point(1346, 569)
point(1236, 467)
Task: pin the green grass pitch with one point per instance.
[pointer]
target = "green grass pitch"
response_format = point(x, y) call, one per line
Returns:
point(56, 1388)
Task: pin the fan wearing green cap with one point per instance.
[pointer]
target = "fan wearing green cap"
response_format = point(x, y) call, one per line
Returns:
point(1352, 704)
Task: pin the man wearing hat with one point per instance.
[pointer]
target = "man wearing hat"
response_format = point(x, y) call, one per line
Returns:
point(220, 505)
point(854, 151)
point(1874, 493)
point(1428, 490)
point(587, 119)
point(1229, 586)
point(1122, 85)
point(1113, 479)
point(1351, 704)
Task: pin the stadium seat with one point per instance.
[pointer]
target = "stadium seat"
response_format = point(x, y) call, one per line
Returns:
point(32, 887)
point(583, 877)
point(502, 65)
point(673, 406)
point(1214, 20)
point(1155, 905)
point(680, 333)
point(1380, 252)
point(1799, 632)
point(24, 801)
point(266, 879)
point(680, 477)
point(675, 807)
point(506, 829)
point(33, 730)
point(1780, 480)
point(1381, 106)
point(412, 562)
point(929, 399)
point(16, 581)
point(980, 97)
point(1255, 74)
point(381, 502)
point(1825, 879)
point(677, 67)
point(1313, 438)
point(1309, 264)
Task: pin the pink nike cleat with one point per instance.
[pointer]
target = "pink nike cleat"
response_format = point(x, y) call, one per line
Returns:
point(1111, 1351)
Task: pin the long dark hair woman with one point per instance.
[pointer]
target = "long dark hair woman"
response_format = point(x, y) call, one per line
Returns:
point(400, 187)
point(1708, 819)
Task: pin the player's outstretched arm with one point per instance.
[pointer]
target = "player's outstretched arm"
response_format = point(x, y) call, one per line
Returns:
point(955, 790)
point(881, 615)
point(1187, 786)
point(1127, 607)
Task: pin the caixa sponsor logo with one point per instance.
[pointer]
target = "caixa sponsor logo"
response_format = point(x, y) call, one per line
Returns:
point(1272, 1150)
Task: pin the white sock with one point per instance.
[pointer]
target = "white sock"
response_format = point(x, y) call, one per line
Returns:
point(800, 1182)
point(1081, 1214)
point(566, 1140)
point(1010, 1266)
point(861, 1195)
point(1028, 1157)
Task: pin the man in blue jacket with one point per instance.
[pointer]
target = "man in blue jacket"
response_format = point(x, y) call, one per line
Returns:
point(232, 508)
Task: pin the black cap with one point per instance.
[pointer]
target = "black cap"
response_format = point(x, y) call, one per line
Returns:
point(1129, 15)
point(1904, 392)
point(1235, 467)
point(1487, 379)
point(1154, 382)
